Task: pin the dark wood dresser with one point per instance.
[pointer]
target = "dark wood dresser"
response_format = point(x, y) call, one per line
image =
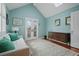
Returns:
point(63, 37)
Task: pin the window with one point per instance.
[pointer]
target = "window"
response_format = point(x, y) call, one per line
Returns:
point(0, 24)
point(3, 24)
point(2, 19)
point(57, 4)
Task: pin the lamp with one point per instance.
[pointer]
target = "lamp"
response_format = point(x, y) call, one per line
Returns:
point(15, 29)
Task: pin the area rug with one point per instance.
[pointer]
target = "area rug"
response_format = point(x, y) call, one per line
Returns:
point(41, 47)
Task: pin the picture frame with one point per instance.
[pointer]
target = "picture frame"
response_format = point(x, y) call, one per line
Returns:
point(57, 22)
point(67, 20)
point(17, 21)
point(7, 20)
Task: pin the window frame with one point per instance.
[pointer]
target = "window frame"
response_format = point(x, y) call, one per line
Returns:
point(3, 19)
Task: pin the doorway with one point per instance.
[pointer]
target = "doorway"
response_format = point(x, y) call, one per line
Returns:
point(31, 29)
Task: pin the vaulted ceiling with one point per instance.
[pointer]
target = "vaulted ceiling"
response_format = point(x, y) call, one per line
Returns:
point(12, 6)
point(47, 9)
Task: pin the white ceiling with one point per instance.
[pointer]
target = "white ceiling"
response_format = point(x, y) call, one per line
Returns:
point(47, 9)
point(12, 6)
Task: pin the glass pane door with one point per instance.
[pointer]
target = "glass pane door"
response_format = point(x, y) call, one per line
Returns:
point(32, 29)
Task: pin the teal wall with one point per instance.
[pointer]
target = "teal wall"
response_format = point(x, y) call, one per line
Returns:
point(28, 11)
point(51, 27)
point(45, 24)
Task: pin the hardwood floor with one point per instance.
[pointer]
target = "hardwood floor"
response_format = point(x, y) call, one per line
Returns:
point(65, 45)
point(61, 44)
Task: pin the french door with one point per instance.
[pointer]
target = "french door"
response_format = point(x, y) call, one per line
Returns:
point(31, 29)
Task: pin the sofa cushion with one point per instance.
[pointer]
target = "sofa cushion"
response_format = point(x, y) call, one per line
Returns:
point(14, 36)
point(6, 45)
point(8, 37)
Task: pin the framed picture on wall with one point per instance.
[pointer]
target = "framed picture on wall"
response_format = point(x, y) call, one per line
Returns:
point(57, 22)
point(67, 20)
point(17, 21)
